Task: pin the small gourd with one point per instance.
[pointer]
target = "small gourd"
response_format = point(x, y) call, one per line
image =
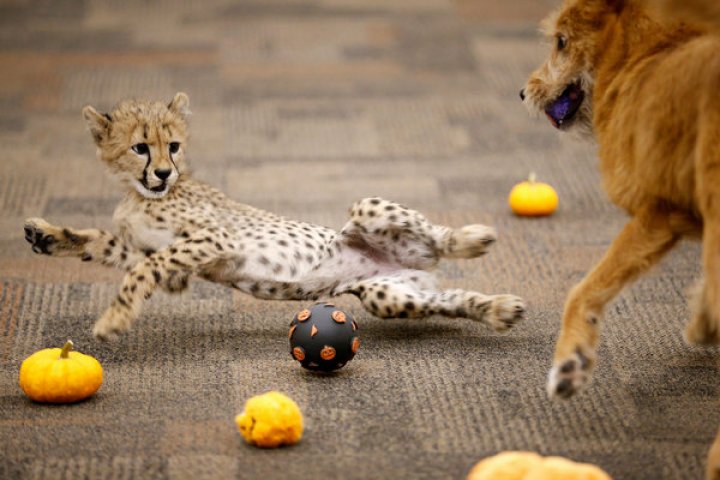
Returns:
point(60, 375)
point(531, 466)
point(532, 198)
point(270, 420)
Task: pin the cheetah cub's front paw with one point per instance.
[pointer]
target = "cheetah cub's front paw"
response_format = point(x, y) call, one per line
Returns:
point(469, 241)
point(41, 235)
point(48, 239)
point(111, 325)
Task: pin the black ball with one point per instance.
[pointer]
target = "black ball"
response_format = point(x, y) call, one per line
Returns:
point(323, 338)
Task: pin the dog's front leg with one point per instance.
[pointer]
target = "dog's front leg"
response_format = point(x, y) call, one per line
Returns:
point(169, 269)
point(704, 326)
point(712, 469)
point(90, 245)
point(642, 242)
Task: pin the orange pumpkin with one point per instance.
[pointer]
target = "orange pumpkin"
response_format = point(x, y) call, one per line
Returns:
point(55, 375)
point(531, 466)
point(533, 198)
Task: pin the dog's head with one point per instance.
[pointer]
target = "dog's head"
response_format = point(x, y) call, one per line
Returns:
point(562, 87)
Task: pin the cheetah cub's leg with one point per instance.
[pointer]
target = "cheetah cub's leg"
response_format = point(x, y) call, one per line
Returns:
point(408, 238)
point(169, 269)
point(415, 294)
point(89, 244)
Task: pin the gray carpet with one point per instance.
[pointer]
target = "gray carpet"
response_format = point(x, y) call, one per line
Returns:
point(413, 100)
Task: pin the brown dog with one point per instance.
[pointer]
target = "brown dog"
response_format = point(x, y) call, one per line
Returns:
point(704, 12)
point(648, 89)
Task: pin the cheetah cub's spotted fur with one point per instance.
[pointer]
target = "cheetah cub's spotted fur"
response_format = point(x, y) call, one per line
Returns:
point(171, 227)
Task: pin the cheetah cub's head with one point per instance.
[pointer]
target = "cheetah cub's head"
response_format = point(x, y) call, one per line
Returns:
point(143, 142)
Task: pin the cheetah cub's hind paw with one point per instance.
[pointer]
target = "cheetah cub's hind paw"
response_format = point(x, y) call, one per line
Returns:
point(504, 312)
point(469, 241)
point(499, 312)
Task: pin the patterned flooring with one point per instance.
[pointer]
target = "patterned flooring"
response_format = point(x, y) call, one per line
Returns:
point(302, 107)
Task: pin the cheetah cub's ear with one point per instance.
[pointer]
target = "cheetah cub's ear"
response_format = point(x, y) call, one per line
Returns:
point(98, 123)
point(180, 104)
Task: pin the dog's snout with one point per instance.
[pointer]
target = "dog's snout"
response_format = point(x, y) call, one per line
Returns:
point(522, 94)
point(162, 174)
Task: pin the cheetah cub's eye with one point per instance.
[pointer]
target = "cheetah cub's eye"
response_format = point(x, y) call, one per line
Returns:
point(174, 147)
point(140, 148)
point(561, 42)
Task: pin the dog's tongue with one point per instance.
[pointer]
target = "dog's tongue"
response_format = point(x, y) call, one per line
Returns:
point(565, 106)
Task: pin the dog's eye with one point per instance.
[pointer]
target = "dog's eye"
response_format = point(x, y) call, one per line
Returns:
point(140, 148)
point(174, 147)
point(561, 42)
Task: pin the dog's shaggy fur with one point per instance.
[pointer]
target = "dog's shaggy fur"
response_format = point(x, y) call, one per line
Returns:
point(651, 100)
point(650, 74)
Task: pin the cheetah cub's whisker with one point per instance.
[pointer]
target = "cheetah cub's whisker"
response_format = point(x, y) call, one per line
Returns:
point(171, 228)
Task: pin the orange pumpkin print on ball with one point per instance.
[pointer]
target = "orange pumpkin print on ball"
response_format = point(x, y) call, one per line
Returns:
point(327, 353)
point(299, 354)
point(533, 198)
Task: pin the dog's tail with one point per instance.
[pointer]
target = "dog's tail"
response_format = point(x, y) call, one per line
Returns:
point(704, 13)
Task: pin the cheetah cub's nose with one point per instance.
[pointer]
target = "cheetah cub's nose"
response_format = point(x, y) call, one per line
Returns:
point(162, 174)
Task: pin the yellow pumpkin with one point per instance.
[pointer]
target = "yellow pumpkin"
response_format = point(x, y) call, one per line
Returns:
point(270, 420)
point(505, 466)
point(59, 375)
point(533, 198)
point(531, 466)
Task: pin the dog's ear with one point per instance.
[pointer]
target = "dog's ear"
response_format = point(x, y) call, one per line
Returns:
point(615, 5)
point(600, 8)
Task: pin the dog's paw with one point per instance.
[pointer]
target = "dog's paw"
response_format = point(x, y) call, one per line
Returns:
point(704, 326)
point(470, 241)
point(702, 330)
point(504, 312)
point(41, 235)
point(569, 375)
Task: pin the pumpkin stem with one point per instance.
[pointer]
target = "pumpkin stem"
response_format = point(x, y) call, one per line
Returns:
point(66, 349)
point(532, 177)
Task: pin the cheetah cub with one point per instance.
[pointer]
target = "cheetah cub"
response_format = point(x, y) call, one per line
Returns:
point(171, 227)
